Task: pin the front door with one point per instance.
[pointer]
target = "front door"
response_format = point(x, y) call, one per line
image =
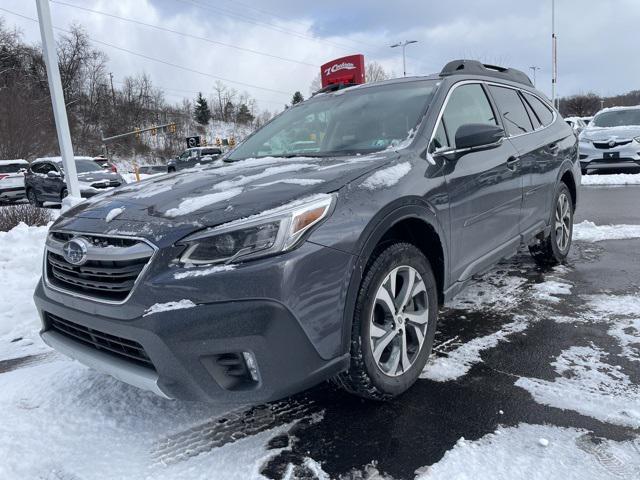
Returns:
point(484, 185)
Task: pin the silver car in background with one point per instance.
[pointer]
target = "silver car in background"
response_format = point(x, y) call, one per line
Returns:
point(612, 140)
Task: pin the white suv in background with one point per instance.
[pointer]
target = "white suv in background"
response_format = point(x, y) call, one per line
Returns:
point(12, 179)
point(612, 140)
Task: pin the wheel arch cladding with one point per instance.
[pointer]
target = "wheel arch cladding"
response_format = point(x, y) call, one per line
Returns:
point(569, 181)
point(414, 224)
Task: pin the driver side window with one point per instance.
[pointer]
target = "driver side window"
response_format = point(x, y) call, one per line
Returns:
point(467, 104)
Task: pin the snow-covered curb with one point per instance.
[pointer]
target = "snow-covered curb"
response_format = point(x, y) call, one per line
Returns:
point(614, 179)
point(587, 231)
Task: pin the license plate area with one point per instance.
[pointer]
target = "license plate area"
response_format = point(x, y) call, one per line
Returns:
point(610, 155)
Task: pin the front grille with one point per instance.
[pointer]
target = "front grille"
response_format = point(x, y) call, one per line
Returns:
point(109, 280)
point(110, 270)
point(112, 183)
point(105, 342)
point(606, 146)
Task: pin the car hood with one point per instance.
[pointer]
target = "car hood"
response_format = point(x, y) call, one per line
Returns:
point(97, 176)
point(171, 206)
point(626, 132)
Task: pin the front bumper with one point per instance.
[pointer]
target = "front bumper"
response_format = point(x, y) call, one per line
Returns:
point(290, 322)
point(614, 158)
point(12, 193)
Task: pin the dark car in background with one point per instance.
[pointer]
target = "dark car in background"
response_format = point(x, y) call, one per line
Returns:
point(44, 180)
point(192, 157)
point(268, 274)
point(12, 179)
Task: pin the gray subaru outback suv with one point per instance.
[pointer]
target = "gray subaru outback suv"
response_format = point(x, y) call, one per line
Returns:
point(280, 269)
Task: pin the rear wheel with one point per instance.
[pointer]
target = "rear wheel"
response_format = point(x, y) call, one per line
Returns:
point(394, 324)
point(64, 194)
point(33, 198)
point(555, 247)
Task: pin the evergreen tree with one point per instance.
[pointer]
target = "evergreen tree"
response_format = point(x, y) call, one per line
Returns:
point(202, 114)
point(297, 98)
point(244, 115)
point(228, 113)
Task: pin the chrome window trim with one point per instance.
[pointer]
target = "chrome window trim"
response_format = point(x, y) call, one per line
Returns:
point(483, 82)
point(47, 284)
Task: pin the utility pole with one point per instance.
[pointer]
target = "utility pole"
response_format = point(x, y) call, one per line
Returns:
point(554, 53)
point(404, 59)
point(533, 70)
point(57, 98)
point(113, 92)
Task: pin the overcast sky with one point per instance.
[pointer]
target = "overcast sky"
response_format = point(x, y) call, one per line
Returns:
point(597, 40)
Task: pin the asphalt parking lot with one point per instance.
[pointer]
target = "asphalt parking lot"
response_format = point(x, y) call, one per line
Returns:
point(549, 354)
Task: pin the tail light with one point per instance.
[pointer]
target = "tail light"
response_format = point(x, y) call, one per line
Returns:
point(114, 169)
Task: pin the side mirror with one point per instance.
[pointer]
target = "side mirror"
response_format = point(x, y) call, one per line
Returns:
point(474, 135)
point(53, 174)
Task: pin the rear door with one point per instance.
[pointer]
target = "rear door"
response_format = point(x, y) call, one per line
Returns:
point(484, 185)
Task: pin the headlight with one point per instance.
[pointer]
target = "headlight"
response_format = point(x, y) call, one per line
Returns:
point(585, 140)
point(270, 232)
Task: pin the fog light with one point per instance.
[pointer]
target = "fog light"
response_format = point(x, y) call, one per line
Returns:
point(252, 365)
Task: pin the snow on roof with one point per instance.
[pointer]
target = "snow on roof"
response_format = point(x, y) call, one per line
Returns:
point(18, 161)
point(59, 159)
point(612, 109)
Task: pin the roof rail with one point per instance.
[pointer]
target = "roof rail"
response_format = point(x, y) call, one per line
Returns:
point(474, 67)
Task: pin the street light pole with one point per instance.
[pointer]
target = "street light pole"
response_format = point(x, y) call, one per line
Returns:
point(554, 53)
point(404, 59)
point(57, 98)
point(533, 70)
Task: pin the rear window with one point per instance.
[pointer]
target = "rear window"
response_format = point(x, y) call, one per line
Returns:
point(543, 112)
point(211, 151)
point(11, 168)
point(516, 118)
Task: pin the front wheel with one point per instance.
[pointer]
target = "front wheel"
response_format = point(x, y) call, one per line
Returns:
point(555, 247)
point(394, 323)
point(33, 198)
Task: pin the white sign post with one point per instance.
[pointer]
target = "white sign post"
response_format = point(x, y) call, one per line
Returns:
point(57, 98)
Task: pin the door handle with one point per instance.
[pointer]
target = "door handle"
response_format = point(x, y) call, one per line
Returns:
point(513, 163)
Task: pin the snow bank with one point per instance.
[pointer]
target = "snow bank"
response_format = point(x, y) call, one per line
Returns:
point(387, 177)
point(166, 307)
point(614, 179)
point(518, 453)
point(587, 231)
point(588, 386)
point(21, 250)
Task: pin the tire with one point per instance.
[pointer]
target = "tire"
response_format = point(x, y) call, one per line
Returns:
point(555, 247)
point(378, 370)
point(64, 193)
point(171, 170)
point(584, 171)
point(33, 198)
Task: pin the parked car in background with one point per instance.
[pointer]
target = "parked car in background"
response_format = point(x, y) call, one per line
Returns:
point(12, 179)
point(576, 123)
point(44, 180)
point(302, 266)
point(105, 163)
point(612, 140)
point(586, 120)
point(192, 157)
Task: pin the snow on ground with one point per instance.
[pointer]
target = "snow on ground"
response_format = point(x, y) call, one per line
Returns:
point(587, 231)
point(21, 251)
point(497, 290)
point(548, 290)
point(459, 361)
point(518, 453)
point(614, 304)
point(168, 306)
point(588, 385)
point(387, 177)
point(613, 179)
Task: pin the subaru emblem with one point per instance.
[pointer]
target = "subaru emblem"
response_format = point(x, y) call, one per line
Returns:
point(75, 251)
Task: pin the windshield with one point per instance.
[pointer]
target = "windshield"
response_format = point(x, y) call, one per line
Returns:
point(359, 121)
point(84, 166)
point(617, 118)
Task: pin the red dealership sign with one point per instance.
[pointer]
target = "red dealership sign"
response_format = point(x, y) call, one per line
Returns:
point(348, 70)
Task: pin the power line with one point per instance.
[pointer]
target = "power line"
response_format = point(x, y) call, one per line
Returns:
point(177, 32)
point(147, 57)
point(271, 26)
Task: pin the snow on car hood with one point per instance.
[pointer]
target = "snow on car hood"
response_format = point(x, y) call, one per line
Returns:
point(626, 132)
point(207, 196)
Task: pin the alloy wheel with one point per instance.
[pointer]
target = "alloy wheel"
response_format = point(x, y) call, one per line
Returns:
point(399, 321)
point(563, 223)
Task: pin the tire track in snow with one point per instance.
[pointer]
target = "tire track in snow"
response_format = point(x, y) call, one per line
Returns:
point(29, 360)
